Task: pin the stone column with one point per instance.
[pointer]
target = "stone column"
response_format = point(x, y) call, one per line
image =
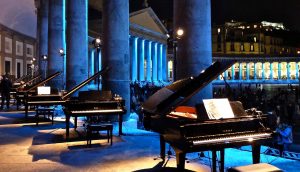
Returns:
point(271, 70)
point(154, 61)
point(194, 47)
point(77, 43)
point(263, 70)
point(134, 61)
point(254, 65)
point(91, 61)
point(247, 71)
point(141, 59)
point(159, 61)
point(240, 71)
point(115, 23)
point(279, 70)
point(164, 63)
point(288, 73)
point(148, 59)
point(56, 41)
point(297, 71)
point(232, 72)
point(42, 37)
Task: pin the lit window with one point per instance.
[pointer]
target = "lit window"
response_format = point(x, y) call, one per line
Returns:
point(254, 39)
point(219, 30)
point(251, 48)
point(255, 26)
point(242, 48)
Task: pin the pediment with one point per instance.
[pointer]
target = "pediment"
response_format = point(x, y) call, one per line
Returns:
point(147, 19)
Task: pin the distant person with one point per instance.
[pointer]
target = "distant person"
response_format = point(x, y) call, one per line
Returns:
point(284, 136)
point(5, 87)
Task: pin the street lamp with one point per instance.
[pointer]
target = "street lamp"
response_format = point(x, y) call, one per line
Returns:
point(97, 44)
point(176, 36)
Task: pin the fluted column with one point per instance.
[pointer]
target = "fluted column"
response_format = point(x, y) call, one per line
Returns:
point(154, 61)
point(164, 63)
point(279, 70)
point(56, 41)
point(271, 70)
point(91, 61)
point(148, 59)
point(232, 72)
point(240, 71)
point(42, 23)
point(194, 48)
point(254, 66)
point(134, 58)
point(288, 73)
point(297, 70)
point(115, 15)
point(141, 59)
point(159, 61)
point(263, 70)
point(77, 42)
point(247, 71)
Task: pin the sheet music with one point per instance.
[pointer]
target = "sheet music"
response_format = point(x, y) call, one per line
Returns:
point(218, 108)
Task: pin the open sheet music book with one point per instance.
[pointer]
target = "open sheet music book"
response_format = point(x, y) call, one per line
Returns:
point(218, 108)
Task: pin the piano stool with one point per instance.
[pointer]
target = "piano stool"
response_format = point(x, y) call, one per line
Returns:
point(261, 167)
point(90, 128)
point(40, 110)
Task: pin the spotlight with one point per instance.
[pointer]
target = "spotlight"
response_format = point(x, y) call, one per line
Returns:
point(97, 43)
point(62, 52)
point(44, 57)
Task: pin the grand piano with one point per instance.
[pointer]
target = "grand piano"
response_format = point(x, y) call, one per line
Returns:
point(186, 132)
point(18, 91)
point(30, 92)
point(88, 103)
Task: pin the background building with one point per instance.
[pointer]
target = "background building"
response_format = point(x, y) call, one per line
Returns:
point(17, 53)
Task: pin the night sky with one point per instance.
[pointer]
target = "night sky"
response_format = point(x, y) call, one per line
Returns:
point(286, 11)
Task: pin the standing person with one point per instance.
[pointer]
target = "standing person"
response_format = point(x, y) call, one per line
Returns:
point(285, 136)
point(5, 87)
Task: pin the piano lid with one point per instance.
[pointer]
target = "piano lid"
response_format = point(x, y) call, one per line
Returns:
point(168, 98)
point(43, 81)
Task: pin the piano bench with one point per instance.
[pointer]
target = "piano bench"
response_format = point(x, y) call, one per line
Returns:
point(261, 167)
point(90, 128)
point(49, 111)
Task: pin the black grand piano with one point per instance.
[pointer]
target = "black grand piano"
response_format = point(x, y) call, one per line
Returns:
point(19, 89)
point(88, 103)
point(31, 92)
point(186, 132)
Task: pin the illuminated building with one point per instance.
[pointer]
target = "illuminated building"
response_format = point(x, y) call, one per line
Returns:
point(17, 52)
point(264, 54)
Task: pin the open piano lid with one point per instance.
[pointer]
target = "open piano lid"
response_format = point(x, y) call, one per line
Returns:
point(168, 98)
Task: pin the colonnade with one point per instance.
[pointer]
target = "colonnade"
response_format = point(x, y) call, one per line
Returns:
point(148, 60)
point(262, 71)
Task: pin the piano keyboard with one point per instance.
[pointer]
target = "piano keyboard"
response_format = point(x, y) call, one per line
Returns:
point(97, 111)
point(46, 102)
point(248, 137)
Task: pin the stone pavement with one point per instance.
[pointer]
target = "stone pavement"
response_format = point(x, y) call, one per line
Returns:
point(27, 147)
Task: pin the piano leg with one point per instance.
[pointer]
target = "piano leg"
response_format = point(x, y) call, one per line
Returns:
point(120, 124)
point(67, 126)
point(255, 153)
point(26, 110)
point(162, 147)
point(222, 155)
point(180, 160)
point(75, 122)
point(214, 161)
